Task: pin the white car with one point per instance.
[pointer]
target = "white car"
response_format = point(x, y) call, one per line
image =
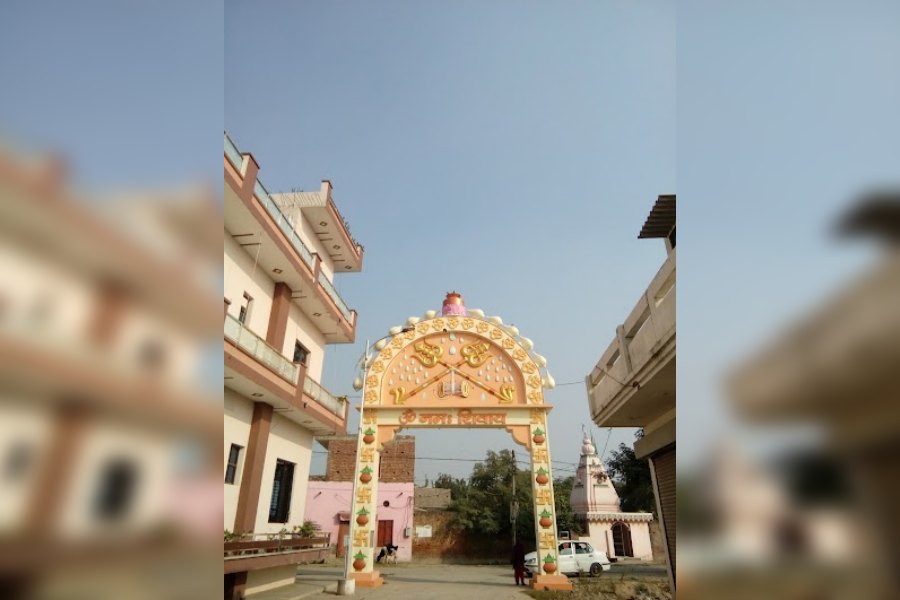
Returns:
point(574, 558)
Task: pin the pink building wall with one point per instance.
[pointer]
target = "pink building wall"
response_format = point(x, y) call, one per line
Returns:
point(325, 500)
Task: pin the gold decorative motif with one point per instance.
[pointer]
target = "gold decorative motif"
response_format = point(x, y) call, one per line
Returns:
point(378, 366)
point(519, 355)
point(542, 496)
point(534, 381)
point(539, 455)
point(446, 388)
point(386, 353)
point(397, 342)
point(367, 455)
point(475, 354)
point(453, 322)
point(437, 324)
point(371, 397)
point(508, 343)
point(507, 393)
point(371, 380)
point(427, 354)
point(409, 335)
point(496, 334)
point(422, 328)
point(547, 540)
point(468, 323)
point(535, 396)
point(370, 417)
point(363, 495)
point(481, 327)
point(529, 367)
point(361, 537)
point(399, 394)
point(537, 416)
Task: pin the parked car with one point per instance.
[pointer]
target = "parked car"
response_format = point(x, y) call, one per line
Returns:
point(573, 558)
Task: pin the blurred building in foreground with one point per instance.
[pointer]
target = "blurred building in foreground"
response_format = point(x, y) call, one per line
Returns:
point(281, 308)
point(837, 369)
point(595, 501)
point(106, 437)
point(633, 383)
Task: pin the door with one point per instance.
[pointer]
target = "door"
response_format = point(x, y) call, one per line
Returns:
point(343, 529)
point(584, 556)
point(622, 539)
point(385, 533)
point(567, 562)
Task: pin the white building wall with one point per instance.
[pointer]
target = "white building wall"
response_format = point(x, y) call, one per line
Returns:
point(308, 234)
point(236, 430)
point(291, 442)
point(301, 328)
point(240, 277)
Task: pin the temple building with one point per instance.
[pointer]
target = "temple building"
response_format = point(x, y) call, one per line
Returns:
point(595, 502)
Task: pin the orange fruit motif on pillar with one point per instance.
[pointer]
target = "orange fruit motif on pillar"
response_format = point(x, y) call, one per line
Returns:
point(542, 476)
point(369, 435)
point(362, 517)
point(538, 436)
point(546, 520)
point(360, 561)
point(549, 564)
point(365, 475)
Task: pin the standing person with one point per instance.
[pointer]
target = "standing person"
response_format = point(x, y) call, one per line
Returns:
point(518, 562)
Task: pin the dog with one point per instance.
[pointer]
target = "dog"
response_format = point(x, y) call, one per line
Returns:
point(388, 553)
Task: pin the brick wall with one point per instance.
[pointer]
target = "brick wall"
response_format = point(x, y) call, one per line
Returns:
point(398, 459)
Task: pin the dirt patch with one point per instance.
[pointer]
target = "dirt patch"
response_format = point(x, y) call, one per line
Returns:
point(615, 587)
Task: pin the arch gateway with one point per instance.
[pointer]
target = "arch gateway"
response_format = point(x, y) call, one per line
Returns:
point(457, 370)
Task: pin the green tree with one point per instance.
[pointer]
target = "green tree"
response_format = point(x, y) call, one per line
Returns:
point(631, 478)
point(482, 502)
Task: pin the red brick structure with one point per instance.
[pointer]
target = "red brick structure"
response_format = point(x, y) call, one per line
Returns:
point(398, 459)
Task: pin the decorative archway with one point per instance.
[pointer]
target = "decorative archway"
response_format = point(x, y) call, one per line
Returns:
point(456, 370)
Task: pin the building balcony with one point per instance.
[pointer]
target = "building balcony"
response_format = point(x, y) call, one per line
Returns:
point(259, 372)
point(259, 225)
point(329, 225)
point(633, 383)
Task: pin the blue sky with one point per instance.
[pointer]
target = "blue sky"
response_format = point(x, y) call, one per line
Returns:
point(786, 112)
point(509, 151)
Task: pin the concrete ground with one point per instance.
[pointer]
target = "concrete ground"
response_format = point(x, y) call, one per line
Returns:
point(435, 582)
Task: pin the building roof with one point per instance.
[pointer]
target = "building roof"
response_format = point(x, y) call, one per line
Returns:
point(661, 219)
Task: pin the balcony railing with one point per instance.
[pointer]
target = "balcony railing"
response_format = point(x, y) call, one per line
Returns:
point(283, 223)
point(233, 154)
point(260, 349)
point(315, 391)
point(333, 294)
point(649, 327)
point(262, 195)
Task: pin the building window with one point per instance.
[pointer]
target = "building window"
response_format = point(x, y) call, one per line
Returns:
point(244, 313)
point(115, 494)
point(300, 353)
point(280, 506)
point(231, 470)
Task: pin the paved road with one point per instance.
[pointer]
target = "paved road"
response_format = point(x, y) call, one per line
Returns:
point(444, 582)
point(434, 582)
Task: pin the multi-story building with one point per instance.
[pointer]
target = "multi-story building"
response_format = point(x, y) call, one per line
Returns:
point(328, 501)
point(633, 383)
point(281, 310)
point(106, 432)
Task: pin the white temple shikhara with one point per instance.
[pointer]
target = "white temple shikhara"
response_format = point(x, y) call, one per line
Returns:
point(594, 500)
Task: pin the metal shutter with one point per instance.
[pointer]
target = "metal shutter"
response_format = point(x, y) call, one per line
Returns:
point(664, 471)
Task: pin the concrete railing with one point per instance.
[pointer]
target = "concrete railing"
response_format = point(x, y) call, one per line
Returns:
point(260, 349)
point(314, 390)
point(649, 326)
